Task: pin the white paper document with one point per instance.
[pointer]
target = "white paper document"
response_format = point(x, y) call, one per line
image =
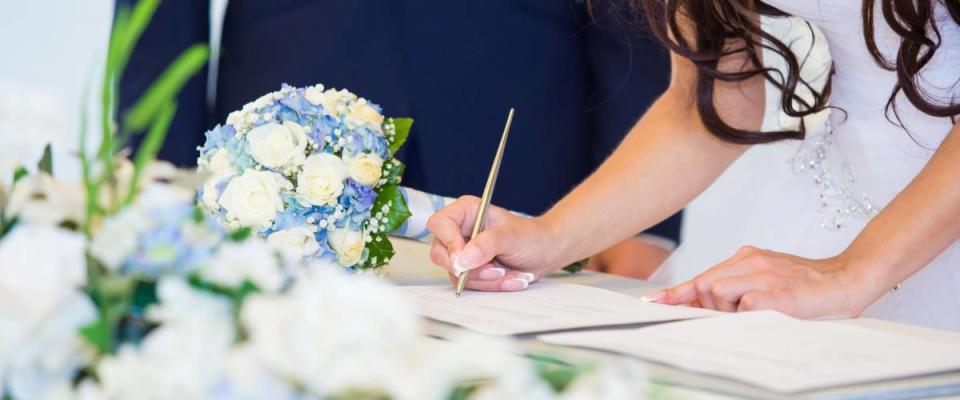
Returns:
point(774, 351)
point(540, 308)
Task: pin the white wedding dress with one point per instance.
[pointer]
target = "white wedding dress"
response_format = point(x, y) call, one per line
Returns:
point(812, 198)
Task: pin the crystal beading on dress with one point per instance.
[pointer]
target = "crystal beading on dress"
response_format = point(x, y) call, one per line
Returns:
point(839, 199)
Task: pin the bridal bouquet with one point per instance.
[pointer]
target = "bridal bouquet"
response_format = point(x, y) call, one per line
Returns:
point(311, 170)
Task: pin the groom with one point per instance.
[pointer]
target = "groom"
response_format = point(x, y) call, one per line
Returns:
point(578, 82)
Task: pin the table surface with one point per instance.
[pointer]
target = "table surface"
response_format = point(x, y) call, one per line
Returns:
point(412, 266)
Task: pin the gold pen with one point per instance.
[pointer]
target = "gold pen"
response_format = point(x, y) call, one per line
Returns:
point(487, 195)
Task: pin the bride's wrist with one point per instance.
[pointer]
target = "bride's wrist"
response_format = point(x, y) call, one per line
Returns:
point(865, 279)
point(557, 238)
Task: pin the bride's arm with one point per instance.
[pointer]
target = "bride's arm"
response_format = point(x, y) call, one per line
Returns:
point(915, 227)
point(911, 231)
point(668, 158)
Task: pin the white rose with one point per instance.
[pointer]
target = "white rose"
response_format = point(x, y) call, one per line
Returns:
point(253, 199)
point(211, 195)
point(218, 164)
point(278, 146)
point(332, 99)
point(314, 94)
point(298, 241)
point(348, 244)
point(219, 167)
point(321, 181)
point(365, 168)
point(362, 113)
point(237, 119)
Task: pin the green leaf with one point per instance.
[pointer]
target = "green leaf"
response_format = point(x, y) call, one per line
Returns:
point(150, 146)
point(97, 333)
point(576, 267)
point(392, 172)
point(164, 90)
point(240, 235)
point(114, 299)
point(7, 225)
point(390, 204)
point(46, 162)
point(128, 27)
point(19, 173)
point(463, 391)
point(198, 215)
point(557, 373)
point(235, 294)
point(379, 251)
point(144, 295)
point(402, 131)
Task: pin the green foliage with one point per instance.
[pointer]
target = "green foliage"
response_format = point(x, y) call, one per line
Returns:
point(557, 373)
point(153, 111)
point(159, 96)
point(7, 224)
point(402, 126)
point(128, 26)
point(380, 251)
point(19, 174)
point(464, 391)
point(240, 235)
point(392, 172)
point(359, 395)
point(235, 294)
point(114, 299)
point(397, 212)
point(577, 266)
point(390, 205)
point(198, 215)
point(150, 146)
point(46, 162)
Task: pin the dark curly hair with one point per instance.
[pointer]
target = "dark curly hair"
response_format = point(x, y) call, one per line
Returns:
point(719, 28)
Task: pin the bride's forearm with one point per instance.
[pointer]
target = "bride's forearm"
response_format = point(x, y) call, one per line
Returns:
point(915, 227)
point(666, 160)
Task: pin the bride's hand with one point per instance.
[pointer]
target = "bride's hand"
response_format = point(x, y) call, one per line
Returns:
point(509, 254)
point(755, 279)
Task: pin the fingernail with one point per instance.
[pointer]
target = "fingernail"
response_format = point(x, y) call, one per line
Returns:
point(514, 284)
point(653, 297)
point(528, 276)
point(469, 258)
point(491, 274)
point(458, 268)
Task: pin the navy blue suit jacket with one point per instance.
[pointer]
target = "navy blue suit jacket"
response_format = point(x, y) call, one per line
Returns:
point(578, 82)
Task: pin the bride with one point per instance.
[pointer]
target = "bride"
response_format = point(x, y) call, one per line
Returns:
point(861, 215)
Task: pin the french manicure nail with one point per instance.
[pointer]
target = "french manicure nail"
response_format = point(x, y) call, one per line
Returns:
point(491, 274)
point(528, 276)
point(653, 297)
point(514, 284)
point(458, 267)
